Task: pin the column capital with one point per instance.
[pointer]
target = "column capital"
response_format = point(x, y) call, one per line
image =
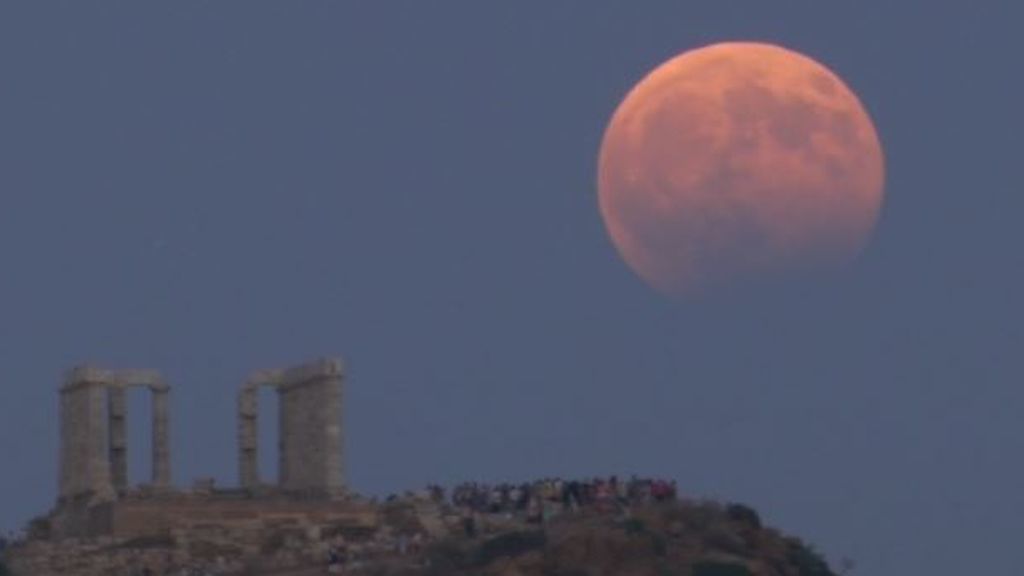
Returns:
point(85, 375)
point(311, 371)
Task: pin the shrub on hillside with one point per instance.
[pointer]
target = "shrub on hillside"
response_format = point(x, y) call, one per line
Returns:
point(637, 527)
point(698, 517)
point(39, 528)
point(147, 542)
point(634, 526)
point(709, 568)
point(563, 571)
point(744, 514)
point(511, 545)
point(660, 545)
point(272, 543)
point(807, 561)
point(402, 517)
point(723, 538)
point(445, 557)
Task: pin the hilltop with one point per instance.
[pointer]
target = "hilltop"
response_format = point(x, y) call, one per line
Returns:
point(308, 521)
point(684, 538)
point(667, 538)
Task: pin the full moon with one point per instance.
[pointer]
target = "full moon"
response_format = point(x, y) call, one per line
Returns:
point(738, 160)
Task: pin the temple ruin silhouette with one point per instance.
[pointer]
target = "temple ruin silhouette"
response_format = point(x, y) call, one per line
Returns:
point(95, 497)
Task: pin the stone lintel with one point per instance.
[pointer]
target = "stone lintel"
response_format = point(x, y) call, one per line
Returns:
point(264, 378)
point(296, 375)
point(134, 377)
point(85, 375)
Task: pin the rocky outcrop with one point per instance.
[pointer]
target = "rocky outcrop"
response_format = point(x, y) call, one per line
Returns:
point(418, 537)
point(677, 538)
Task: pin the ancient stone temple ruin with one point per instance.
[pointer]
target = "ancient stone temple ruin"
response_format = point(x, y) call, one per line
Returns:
point(104, 526)
point(93, 441)
point(95, 498)
point(310, 424)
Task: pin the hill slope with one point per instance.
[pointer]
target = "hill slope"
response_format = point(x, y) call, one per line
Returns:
point(669, 539)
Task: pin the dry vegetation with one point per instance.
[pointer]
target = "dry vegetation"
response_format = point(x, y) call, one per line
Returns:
point(677, 539)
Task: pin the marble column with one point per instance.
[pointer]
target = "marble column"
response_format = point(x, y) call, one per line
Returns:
point(161, 436)
point(286, 450)
point(85, 459)
point(117, 437)
point(248, 437)
point(311, 429)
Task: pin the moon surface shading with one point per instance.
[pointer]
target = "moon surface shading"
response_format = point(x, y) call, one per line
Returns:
point(737, 160)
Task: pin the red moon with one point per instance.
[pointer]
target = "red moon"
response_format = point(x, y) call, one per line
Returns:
point(737, 160)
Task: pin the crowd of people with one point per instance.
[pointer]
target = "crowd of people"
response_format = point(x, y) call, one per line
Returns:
point(480, 506)
point(538, 501)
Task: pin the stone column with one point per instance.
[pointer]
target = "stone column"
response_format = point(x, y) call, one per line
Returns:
point(85, 460)
point(311, 430)
point(117, 437)
point(248, 437)
point(66, 467)
point(285, 440)
point(99, 464)
point(161, 436)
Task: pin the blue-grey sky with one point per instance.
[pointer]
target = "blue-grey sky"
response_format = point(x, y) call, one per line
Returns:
point(208, 188)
